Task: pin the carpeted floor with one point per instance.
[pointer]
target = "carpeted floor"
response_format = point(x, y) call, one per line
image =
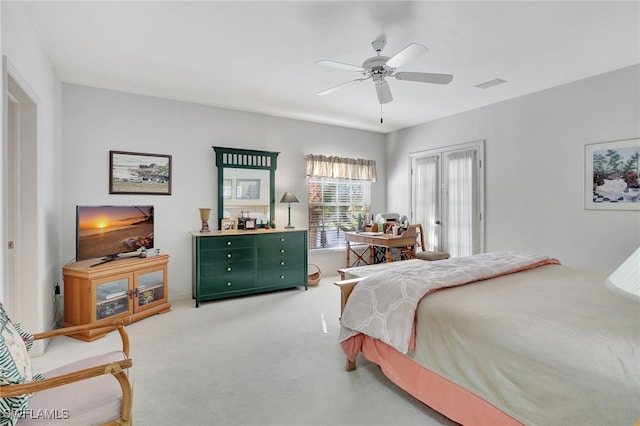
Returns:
point(270, 359)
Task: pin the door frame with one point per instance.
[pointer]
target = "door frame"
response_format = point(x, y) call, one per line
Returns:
point(20, 200)
point(441, 154)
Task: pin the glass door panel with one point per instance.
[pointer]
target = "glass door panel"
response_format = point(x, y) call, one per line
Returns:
point(150, 287)
point(112, 298)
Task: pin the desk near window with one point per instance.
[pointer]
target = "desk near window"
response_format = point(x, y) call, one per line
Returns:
point(377, 239)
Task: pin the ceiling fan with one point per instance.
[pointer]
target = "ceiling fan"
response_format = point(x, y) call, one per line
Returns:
point(378, 67)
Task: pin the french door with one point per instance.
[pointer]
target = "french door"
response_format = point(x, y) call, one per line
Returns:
point(447, 198)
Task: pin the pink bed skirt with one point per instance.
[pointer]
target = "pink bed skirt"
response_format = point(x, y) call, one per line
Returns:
point(446, 397)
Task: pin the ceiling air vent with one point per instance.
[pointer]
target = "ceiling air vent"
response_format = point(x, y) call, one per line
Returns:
point(490, 83)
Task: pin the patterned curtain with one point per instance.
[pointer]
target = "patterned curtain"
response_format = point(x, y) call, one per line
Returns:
point(322, 166)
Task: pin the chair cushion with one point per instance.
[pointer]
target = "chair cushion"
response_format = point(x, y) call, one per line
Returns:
point(15, 367)
point(432, 255)
point(87, 402)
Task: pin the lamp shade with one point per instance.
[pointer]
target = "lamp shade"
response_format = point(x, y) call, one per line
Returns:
point(288, 197)
point(626, 279)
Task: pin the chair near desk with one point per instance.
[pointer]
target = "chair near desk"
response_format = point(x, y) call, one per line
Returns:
point(424, 254)
point(411, 252)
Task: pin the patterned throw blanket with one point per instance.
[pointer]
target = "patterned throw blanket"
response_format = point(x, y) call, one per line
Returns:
point(383, 305)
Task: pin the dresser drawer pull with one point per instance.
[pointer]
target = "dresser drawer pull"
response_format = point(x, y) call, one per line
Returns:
point(282, 263)
point(282, 240)
point(282, 277)
point(228, 255)
point(229, 269)
point(229, 243)
point(229, 284)
point(281, 250)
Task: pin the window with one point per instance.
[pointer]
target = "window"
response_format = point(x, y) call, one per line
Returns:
point(339, 196)
point(334, 208)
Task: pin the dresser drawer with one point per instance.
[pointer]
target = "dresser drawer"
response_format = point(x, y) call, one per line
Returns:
point(232, 241)
point(285, 276)
point(227, 269)
point(280, 261)
point(226, 255)
point(280, 244)
point(216, 284)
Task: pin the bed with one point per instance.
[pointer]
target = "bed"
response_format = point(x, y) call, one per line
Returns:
point(525, 341)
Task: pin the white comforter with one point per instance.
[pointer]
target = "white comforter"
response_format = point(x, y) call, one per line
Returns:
point(548, 346)
point(383, 305)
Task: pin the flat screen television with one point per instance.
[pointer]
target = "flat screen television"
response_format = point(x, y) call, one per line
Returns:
point(107, 232)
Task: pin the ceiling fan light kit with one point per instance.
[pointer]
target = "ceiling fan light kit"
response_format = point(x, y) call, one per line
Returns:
point(378, 67)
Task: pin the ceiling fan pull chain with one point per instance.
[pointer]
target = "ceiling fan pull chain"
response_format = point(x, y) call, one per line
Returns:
point(380, 113)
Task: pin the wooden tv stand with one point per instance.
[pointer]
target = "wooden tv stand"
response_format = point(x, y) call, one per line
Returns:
point(130, 289)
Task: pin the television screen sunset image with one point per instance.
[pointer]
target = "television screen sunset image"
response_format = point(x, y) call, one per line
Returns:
point(110, 230)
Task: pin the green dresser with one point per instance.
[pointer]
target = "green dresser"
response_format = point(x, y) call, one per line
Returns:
point(246, 262)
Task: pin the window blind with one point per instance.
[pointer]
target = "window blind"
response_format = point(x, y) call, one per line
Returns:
point(334, 208)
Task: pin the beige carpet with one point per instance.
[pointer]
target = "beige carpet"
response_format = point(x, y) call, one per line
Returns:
point(270, 359)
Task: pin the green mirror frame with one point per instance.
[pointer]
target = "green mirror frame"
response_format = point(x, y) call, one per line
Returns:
point(246, 159)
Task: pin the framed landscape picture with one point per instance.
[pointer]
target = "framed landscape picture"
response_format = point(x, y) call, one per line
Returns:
point(139, 173)
point(248, 189)
point(611, 175)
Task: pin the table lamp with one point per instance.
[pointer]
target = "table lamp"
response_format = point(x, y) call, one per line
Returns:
point(288, 197)
point(204, 217)
point(626, 279)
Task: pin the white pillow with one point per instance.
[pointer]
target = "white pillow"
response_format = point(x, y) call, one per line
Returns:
point(626, 279)
point(258, 216)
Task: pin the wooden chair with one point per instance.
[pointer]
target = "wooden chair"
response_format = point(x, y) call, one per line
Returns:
point(424, 254)
point(94, 390)
point(409, 252)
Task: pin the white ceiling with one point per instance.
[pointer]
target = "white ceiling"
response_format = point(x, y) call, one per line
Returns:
point(260, 56)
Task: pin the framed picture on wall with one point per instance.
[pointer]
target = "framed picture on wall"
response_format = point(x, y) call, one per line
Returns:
point(611, 175)
point(139, 173)
point(248, 189)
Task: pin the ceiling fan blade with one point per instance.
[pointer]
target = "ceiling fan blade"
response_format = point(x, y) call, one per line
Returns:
point(384, 93)
point(406, 55)
point(341, 86)
point(424, 77)
point(340, 65)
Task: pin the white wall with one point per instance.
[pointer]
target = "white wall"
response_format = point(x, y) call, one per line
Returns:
point(95, 121)
point(32, 68)
point(534, 168)
point(534, 173)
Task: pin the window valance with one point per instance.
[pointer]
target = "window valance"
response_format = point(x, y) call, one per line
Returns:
point(323, 166)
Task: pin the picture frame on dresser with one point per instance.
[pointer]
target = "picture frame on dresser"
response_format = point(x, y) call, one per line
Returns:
point(228, 224)
point(249, 223)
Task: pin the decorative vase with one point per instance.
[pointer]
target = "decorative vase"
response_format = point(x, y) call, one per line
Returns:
point(204, 217)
